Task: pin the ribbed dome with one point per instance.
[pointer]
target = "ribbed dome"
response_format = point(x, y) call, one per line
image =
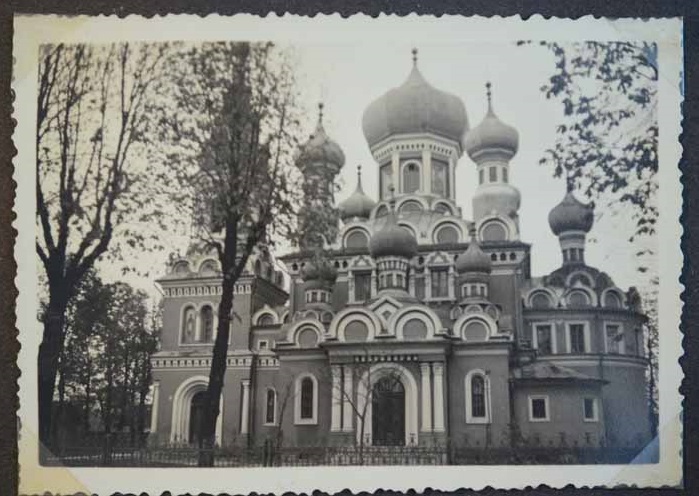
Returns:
point(415, 107)
point(320, 148)
point(393, 240)
point(473, 259)
point(571, 215)
point(358, 204)
point(491, 134)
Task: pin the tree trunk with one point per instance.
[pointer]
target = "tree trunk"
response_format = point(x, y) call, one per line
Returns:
point(49, 352)
point(88, 388)
point(218, 363)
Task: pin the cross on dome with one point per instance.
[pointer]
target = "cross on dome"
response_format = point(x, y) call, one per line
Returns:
point(320, 112)
point(414, 56)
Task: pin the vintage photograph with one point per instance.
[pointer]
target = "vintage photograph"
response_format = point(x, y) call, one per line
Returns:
point(277, 252)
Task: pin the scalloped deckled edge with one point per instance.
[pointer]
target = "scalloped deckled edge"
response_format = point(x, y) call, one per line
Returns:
point(36, 479)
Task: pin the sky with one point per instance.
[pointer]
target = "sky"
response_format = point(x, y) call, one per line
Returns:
point(347, 77)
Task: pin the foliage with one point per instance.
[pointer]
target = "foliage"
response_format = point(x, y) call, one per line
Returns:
point(95, 189)
point(233, 135)
point(606, 144)
point(105, 366)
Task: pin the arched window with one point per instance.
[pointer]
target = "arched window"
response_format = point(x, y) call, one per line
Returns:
point(207, 324)
point(578, 299)
point(447, 234)
point(409, 229)
point(540, 300)
point(258, 267)
point(477, 398)
point(381, 211)
point(440, 178)
point(265, 320)
point(356, 239)
point(612, 300)
point(442, 208)
point(181, 268)
point(385, 180)
point(208, 268)
point(189, 324)
point(494, 231)
point(271, 407)
point(306, 400)
point(411, 178)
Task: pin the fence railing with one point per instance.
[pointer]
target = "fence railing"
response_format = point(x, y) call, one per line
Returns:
point(268, 455)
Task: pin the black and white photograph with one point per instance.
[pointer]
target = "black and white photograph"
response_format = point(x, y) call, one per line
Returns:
point(381, 243)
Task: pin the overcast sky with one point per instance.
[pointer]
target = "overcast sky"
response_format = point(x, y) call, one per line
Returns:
point(347, 77)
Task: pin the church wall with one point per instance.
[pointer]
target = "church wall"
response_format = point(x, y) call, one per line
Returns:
point(625, 402)
point(305, 435)
point(497, 368)
point(240, 324)
point(269, 378)
point(340, 295)
point(565, 413)
point(503, 291)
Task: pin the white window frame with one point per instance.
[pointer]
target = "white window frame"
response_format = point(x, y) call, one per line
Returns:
point(535, 335)
point(586, 335)
point(470, 419)
point(622, 342)
point(530, 407)
point(274, 420)
point(297, 403)
point(595, 409)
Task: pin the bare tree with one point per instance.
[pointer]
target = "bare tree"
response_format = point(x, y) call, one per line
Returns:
point(91, 116)
point(236, 128)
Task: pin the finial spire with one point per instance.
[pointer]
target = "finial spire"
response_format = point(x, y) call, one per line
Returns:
point(392, 199)
point(359, 178)
point(414, 56)
point(320, 112)
point(489, 94)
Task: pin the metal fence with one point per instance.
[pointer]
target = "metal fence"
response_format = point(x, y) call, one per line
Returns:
point(268, 455)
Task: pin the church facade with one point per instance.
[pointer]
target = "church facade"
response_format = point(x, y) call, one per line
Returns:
point(402, 323)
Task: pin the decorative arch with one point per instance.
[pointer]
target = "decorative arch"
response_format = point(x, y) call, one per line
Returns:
point(540, 291)
point(412, 198)
point(346, 316)
point(422, 313)
point(609, 294)
point(181, 405)
point(208, 267)
point(412, 228)
point(461, 326)
point(442, 224)
point(181, 267)
point(478, 402)
point(506, 224)
point(356, 237)
point(591, 297)
point(380, 210)
point(292, 335)
point(443, 207)
point(579, 275)
point(366, 383)
point(265, 311)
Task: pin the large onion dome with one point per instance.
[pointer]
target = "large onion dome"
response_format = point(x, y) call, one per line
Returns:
point(491, 135)
point(358, 205)
point(320, 148)
point(473, 259)
point(393, 240)
point(571, 215)
point(415, 107)
point(318, 274)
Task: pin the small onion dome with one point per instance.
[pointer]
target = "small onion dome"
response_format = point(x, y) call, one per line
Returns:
point(318, 274)
point(496, 197)
point(571, 215)
point(358, 205)
point(393, 240)
point(320, 148)
point(415, 107)
point(473, 259)
point(491, 134)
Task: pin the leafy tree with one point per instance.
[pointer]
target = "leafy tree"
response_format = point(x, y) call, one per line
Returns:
point(234, 132)
point(92, 121)
point(606, 144)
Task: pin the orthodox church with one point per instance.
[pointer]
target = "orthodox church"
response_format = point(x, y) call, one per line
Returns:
point(400, 322)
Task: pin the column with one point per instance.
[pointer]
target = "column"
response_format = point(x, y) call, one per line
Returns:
point(395, 170)
point(450, 283)
point(244, 414)
point(197, 327)
point(374, 282)
point(336, 419)
point(347, 410)
point(154, 408)
point(426, 397)
point(438, 369)
point(428, 284)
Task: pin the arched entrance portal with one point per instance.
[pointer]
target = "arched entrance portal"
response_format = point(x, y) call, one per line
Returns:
point(388, 412)
point(196, 416)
